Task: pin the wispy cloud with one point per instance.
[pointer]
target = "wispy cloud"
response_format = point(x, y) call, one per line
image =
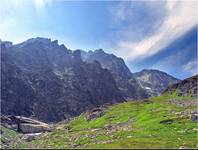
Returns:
point(191, 67)
point(42, 3)
point(180, 17)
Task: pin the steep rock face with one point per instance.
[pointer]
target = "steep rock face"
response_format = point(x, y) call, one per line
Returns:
point(187, 87)
point(43, 79)
point(127, 84)
point(109, 61)
point(154, 81)
point(16, 94)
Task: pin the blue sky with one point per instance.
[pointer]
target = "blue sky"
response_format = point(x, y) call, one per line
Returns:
point(146, 34)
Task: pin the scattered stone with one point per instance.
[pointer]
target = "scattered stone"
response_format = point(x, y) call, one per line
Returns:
point(96, 129)
point(95, 113)
point(34, 128)
point(31, 136)
point(183, 102)
point(194, 116)
point(183, 147)
point(5, 120)
point(108, 127)
point(167, 121)
point(1, 131)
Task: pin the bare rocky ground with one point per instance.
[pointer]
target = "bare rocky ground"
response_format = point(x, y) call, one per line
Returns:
point(66, 134)
point(192, 114)
point(184, 102)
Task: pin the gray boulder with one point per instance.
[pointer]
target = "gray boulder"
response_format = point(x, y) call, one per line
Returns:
point(95, 113)
point(24, 124)
point(34, 128)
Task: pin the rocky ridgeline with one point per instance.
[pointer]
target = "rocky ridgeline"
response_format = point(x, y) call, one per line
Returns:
point(187, 87)
point(154, 81)
point(47, 81)
point(143, 84)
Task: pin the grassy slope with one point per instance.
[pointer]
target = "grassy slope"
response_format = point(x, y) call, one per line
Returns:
point(6, 135)
point(133, 125)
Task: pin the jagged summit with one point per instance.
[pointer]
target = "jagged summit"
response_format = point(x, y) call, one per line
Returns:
point(40, 40)
point(154, 81)
point(43, 79)
point(35, 40)
point(151, 70)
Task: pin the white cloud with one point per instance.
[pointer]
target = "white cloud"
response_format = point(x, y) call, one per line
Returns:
point(41, 4)
point(180, 17)
point(191, 67)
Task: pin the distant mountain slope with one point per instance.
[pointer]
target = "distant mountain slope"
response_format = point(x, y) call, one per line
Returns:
point(125, 81)
point(154, 81)
point(111, 62)
point(187, 87)
point(132, 85)
point(45, 80)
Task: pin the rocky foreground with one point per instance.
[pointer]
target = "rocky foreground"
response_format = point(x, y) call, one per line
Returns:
point(167, 121)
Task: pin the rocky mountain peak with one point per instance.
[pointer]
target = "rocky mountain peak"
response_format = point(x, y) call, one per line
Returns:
point(101, 51)
point(154, 81)
point(109, 61)
point(36, 40)
point(39, 41)
point(54, 82)
point(7, 43)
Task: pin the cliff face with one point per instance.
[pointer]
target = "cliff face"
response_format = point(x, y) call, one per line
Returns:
point(154, 81)
point(45, 80)
point(127, 84)
point(138, 85)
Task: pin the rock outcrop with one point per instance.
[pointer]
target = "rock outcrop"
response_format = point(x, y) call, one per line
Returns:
point(95, 113)
point(187, 87)
point(24, 124)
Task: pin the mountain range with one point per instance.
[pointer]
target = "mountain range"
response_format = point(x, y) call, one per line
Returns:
point(44, 80)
